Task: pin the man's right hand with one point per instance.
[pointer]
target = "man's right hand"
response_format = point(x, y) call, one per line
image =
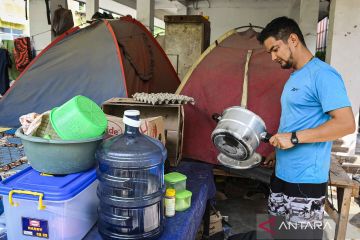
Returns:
point(269, 161)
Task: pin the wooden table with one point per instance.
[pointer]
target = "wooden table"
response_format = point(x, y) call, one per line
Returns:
point(345, 188)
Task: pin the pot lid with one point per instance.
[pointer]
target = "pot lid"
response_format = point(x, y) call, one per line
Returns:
point(253, 161)
point(183, 194)
point(231, 146)
point(174, 177)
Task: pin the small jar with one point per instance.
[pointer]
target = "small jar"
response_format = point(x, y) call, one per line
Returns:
point(170, 202)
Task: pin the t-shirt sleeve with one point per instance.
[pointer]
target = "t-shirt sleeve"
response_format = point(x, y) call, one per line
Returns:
point(330, 90)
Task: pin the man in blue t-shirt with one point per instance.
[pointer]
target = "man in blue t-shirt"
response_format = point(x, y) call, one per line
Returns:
point(315, 111)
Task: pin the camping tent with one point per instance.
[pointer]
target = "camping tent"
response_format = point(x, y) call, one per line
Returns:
point(109, 58)
point(216, 83)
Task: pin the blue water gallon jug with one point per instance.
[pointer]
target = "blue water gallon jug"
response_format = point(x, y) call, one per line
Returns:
point(131, 183)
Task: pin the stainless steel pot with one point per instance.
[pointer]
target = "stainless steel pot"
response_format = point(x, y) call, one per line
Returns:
point(253, 161)
point(238, 133)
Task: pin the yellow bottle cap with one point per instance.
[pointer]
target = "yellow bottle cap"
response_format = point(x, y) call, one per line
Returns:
point(170, 192)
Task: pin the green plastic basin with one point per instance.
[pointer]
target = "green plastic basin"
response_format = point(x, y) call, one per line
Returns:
point(59, 156)
point(78, 118)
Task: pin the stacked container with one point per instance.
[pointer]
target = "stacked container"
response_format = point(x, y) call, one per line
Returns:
point(53, 207)
point(131, 188)
point(177, 181)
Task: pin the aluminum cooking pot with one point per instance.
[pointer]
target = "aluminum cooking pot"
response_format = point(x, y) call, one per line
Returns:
point(238, 133)
point(253, 161)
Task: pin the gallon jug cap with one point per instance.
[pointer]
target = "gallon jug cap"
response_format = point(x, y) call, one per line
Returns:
point(131, 113)
point(131, 118)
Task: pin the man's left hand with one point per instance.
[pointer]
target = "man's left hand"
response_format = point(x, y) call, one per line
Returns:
point(281, 140)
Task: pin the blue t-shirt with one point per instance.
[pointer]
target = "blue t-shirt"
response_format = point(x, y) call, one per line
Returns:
point(308, 95)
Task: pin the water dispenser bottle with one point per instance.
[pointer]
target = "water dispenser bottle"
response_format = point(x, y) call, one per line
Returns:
point(131, 183)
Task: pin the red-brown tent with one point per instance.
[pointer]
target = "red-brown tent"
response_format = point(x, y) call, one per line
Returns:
point(216, 83)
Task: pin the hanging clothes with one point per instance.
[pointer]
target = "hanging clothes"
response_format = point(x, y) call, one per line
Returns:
point(13, 72)
point(22, 53)
point(5, 63)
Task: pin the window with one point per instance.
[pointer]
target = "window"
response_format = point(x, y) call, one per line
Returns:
point(322, 31)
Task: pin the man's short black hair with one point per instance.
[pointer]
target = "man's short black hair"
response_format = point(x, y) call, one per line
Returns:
point(281, 28)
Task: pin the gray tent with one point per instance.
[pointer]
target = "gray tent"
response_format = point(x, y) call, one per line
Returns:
point(109, 58)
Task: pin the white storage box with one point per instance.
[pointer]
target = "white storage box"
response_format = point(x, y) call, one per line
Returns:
point(49, 207)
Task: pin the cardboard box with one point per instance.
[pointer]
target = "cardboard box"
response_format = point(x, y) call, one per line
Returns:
point(215, 223)
point(173, 116)
point(153, 127)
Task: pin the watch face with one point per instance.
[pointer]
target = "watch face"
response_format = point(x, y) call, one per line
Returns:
point(294, 139)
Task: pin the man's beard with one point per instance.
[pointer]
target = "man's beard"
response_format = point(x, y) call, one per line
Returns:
point(286, 65)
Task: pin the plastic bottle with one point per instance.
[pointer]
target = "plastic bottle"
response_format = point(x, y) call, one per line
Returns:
point(170, 202)
point(131, 184)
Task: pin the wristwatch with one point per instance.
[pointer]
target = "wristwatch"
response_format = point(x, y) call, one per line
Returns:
point(294, 139)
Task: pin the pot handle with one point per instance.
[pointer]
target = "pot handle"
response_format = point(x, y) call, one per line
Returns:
point(265, 136)
point(216, 117)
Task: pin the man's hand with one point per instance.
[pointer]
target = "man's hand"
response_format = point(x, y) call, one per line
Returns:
point(281, 140)
point(269, 161)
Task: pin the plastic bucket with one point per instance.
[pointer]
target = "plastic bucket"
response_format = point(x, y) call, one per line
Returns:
point(78, 118)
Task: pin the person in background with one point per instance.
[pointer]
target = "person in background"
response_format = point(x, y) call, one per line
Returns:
point(5, 64)
point(315, 110)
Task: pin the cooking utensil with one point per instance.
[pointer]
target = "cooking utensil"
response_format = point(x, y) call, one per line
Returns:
point(251, 162)
point(239, 132)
